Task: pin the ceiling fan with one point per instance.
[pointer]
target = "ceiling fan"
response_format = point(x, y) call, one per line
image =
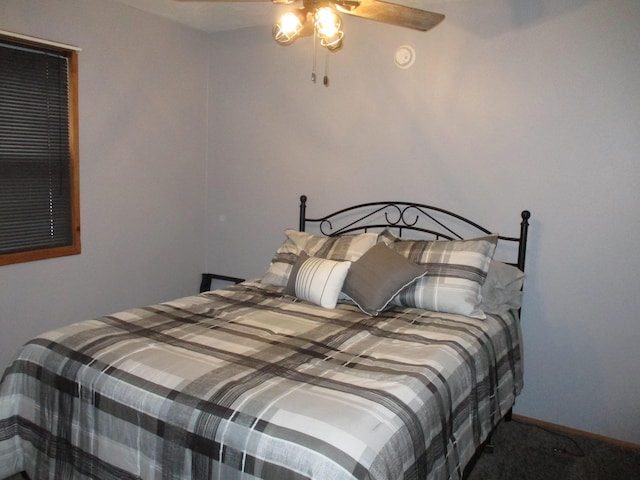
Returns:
point(321, 17)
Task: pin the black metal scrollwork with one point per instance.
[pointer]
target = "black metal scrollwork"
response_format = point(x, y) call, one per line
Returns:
point(398, 211)
point(433, 221)
point(324, 229)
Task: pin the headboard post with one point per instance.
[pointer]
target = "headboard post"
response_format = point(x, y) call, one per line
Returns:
point(303, 212)
point(522, 245)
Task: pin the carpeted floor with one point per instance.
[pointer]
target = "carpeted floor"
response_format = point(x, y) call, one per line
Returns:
point(527, 452)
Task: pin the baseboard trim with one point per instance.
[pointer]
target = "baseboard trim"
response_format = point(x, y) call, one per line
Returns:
point(575, 431)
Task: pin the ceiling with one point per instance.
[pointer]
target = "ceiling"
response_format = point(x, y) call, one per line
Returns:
point(220, 16)
point(210, 16)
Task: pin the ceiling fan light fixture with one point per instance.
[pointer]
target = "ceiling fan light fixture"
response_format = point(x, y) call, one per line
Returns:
point(327, 23)
point(333, 43)
point(288, 28)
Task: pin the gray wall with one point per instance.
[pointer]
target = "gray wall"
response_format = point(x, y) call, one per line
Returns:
point(510, 105)
point(142, 164)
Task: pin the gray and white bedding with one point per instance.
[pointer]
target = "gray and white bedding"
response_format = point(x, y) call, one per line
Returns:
point(247, 382)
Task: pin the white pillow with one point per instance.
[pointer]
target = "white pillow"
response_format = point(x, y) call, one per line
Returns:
point(317, 280)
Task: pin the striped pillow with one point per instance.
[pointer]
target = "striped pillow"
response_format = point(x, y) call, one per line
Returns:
point(317, 280)
point(343, 248)
point(456, 269)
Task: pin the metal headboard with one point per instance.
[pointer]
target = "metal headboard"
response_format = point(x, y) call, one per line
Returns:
point(409, 217)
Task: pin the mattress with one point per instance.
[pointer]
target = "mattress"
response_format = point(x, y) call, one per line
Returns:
point(246, 382)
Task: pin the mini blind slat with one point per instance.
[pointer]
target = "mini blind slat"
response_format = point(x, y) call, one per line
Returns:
point(35, 204)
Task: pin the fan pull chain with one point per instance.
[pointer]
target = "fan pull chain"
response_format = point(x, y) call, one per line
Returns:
point(315, 55)
point(325, 80)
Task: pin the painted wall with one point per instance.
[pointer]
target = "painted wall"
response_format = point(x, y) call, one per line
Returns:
point(511, 104)
point(142, 167)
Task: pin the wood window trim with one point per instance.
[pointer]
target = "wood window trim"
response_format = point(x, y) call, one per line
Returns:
point(75, 247)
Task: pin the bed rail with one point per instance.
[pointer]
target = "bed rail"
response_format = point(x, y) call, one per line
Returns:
point(409, 217)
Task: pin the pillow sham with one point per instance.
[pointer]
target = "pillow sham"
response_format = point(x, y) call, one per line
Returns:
point(343, 248)
point(502, 289)
point(377, 276)
point(457, 269)
point(317, 280)
point(281, 264)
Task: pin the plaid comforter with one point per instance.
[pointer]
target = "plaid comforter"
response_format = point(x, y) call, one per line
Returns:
point(246, 383)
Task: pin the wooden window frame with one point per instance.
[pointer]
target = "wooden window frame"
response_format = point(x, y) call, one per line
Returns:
point(74, 248)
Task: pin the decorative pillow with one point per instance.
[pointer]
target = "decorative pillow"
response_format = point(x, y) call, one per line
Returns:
point(281, 263)
point(387, 237)
point(502, 290)
point(344, 248)
point(376, 277)
point(456, 272)
point(317, 280)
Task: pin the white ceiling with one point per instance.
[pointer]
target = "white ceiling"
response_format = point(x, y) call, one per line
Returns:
point(210, 16)
point(218, 16)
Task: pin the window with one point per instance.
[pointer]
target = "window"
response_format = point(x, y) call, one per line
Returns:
point(39, 184)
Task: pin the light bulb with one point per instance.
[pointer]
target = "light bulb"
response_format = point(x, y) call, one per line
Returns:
point(327, 22)
point(287, 29)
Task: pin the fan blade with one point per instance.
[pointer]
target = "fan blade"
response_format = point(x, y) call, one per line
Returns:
point(394, 14)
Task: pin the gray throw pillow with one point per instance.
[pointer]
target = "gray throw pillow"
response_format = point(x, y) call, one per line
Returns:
point(377, 276)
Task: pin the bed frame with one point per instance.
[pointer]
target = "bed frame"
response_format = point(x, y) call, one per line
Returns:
point(404, 218)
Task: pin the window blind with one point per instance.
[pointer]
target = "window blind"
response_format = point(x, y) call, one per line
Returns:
point(35, 180)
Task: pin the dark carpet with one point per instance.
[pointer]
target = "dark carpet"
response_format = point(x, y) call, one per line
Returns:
point(529, 452)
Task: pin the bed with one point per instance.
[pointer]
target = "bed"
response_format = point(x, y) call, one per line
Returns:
point(383, 342)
